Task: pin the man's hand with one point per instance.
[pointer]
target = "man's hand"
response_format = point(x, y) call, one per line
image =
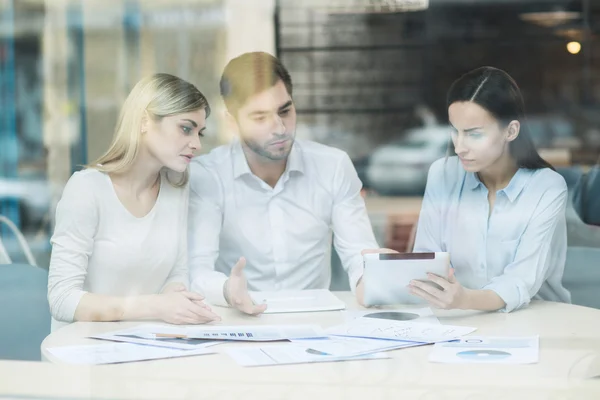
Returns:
point(236, 291)
point(378, 251)
point(360, 285)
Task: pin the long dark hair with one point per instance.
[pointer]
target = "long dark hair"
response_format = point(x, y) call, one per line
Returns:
point(498, 93)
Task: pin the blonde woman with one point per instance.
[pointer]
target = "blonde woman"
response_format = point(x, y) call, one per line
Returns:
point(119, 247)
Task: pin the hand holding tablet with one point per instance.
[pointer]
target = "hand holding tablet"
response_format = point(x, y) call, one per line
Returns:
point(387, 276)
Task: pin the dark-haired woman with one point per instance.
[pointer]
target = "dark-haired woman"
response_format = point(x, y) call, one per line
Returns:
point(497, 207)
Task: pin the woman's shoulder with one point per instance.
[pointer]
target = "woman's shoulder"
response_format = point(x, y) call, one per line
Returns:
point(84, 189)
point(446, 169)
point(90, 180)
point(547, 178)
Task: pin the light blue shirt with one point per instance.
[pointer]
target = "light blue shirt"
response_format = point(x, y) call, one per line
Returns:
point(518, 250)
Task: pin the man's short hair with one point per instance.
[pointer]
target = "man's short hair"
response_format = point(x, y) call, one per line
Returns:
point(250, 74)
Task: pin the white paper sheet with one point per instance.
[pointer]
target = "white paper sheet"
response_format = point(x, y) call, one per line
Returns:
point(407, 331)
point(351, 346)
point(256, 333)
point(144, 334)
point(291, 301)
point(111, 353)
point(487, 350)
point(423, 315)
point(197, 335)
point(287, 354)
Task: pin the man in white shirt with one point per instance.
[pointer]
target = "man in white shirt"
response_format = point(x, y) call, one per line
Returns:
point(262, 209)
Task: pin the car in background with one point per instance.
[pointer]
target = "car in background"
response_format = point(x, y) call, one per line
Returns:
point(551, 132)
point(33, 197)
point(401, 167)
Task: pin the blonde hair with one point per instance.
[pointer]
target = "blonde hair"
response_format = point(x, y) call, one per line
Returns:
point(159, 95)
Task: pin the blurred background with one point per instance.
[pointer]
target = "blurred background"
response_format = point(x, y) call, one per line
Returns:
point(370, 78)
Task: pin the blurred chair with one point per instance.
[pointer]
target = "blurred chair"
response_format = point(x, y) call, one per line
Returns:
point(579, 232)
point(25, 313)
point(586, 197)
point(4, 257)
point(401, 230)
point(582, 275)
point(572, 175)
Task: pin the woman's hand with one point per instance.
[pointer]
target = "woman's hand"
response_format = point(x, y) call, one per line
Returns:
point(174, 287)
point(452, 295)
point(183, 308)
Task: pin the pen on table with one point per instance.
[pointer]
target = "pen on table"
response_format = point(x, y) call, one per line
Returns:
point(171, 335)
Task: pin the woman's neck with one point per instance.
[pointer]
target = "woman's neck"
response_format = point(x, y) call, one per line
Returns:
point(141, 176)
point(498, 175)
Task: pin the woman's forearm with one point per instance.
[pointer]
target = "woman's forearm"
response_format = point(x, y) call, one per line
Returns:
point(483, 300)
point(97, 307)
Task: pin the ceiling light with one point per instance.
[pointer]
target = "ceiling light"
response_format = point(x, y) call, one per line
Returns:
point(574, 47)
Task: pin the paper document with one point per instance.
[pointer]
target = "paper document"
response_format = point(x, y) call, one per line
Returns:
point(287, 354)
point(112, 353)
point(407, 331)
point(421, 315)
point(290, 301)
point(256, 333)
point(488, 350)
point(145, 334)
point(350, 346)
point(186, 337)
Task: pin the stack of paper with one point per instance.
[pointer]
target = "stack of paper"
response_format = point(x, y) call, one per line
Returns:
point(189, 337)
point(489, 350)
point(120, 353)
point(255, 333)
point(144, 335)
point(291, 301)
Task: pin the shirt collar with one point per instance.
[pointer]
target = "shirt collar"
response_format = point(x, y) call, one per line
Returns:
point(295, 160)
point(512, 190)
point(516, 184)
point(240, 164)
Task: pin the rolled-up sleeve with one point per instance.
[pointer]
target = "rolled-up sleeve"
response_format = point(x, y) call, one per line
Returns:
point(204, 229)
point(72, 244)
point(352, 231)
point(542, 243)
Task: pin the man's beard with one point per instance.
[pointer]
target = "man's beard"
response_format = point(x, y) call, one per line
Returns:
point(262, 150)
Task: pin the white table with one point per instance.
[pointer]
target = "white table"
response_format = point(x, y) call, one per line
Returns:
point(569, 338)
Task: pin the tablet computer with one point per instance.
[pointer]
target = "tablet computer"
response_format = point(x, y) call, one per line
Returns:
point(387, 276)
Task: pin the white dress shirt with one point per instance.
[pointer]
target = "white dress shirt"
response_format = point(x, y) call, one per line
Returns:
point(283, 232)
point(99, 247)
point(518, 250)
